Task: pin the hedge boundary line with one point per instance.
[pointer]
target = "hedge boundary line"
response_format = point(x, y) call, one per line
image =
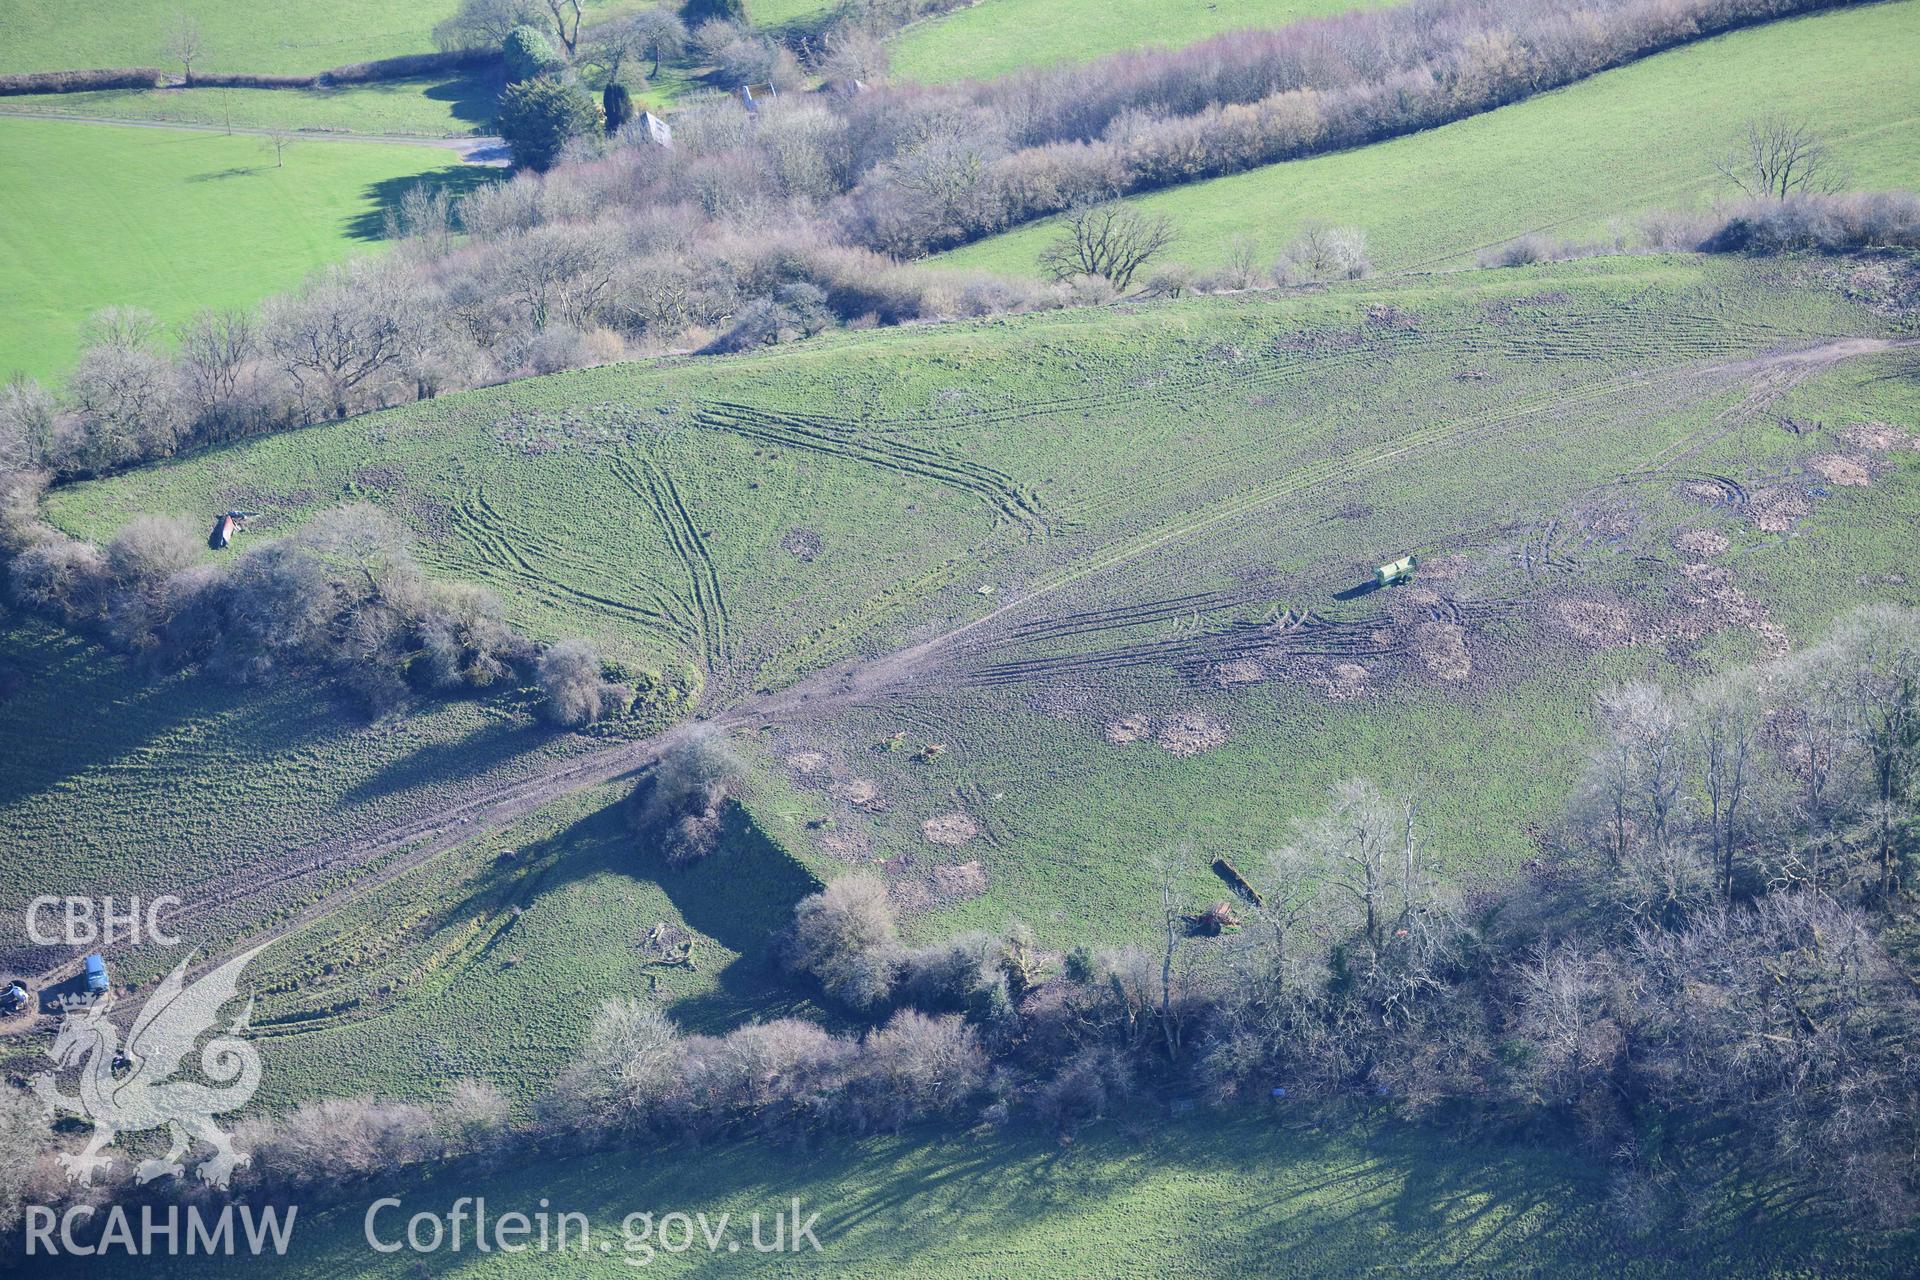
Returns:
point(395, 68)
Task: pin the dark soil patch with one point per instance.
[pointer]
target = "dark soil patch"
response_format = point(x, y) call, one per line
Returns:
point(802, 544)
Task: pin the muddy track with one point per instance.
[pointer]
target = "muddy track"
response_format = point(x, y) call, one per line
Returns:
point(1307, 637)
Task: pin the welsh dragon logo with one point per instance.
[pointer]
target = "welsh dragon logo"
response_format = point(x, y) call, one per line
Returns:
point(126, 1090)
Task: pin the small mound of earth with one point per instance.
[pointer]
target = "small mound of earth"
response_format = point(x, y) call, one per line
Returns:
point(1241, 671)
point(1710, 601)
point(848, 846)
point(802, 544)
point(1838, 469)
point(806, 762)
point(1127, 729)
point(1778, 510)
point(1443, 568)
point(1594, 622)
point(1346, 680)
point(1190, 733)
point(1700, 544)
point(432, 520)
point(949, 829)
point(379, 477)
point(1442, 648)
point(861, 793)
point(1879, 437)
point(965, 880)
point(1704, 492)
point(1613, 522)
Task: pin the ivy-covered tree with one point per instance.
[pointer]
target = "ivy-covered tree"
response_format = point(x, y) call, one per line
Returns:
point(617, 104)
point(528, 53)
point(538, 117)
point(695, 12)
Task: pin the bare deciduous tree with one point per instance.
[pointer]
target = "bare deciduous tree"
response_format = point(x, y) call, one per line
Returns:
point(571, 676)
point(663, 34)
point(25, 1136)
point(1173, 921)
point(1356, 839)
point(423, 215)
point(279, 138)
point(1807, 728)
point(1875, 656)
point(1323, 253)
point(364, 549)
point(27, 419)
point(1564, 1015)
point(566, 23)
point(184, 44)
point(123, 390)
point(1111, 240)
point(560, 273)
point(214, 349)
point(651, 33)
point(481, 24)
point(1777, 156)
point(1723, 720)
point(343, 331)
point(847, 937)
point(1644, 724)
point(1292, 892)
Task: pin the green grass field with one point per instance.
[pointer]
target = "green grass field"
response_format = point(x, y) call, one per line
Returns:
point(1206, 1195)
point(173, 221)
point(995, 37)
point(426, 106)
point(1572, 163)
point(1183, 490)
point(281, 37)
point(490, 963)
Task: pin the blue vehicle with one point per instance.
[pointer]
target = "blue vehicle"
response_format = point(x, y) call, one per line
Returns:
point(97, 984)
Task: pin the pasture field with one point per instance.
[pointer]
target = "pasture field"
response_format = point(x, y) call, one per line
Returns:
point(427, 106)
point(173, 221)
point(995, 37)
point(1149, 525)
point(490, 962)
point(1580, 162)
point(279, 37)
point(195, 787)
point(1213, 1195)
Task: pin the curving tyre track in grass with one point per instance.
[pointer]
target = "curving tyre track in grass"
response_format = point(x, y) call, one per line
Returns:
point(406, 846)
point(703, 597)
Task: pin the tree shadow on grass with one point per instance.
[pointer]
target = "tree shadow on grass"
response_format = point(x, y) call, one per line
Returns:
point(475, 755)
point(73, 706)
point(740, 896)
point(237, 171)
point(456, 180)
point(475, 98)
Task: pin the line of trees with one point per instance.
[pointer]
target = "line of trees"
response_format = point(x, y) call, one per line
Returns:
point(756, 229)
point(344, 597)
point(1709, 946)
point(1701, 977)
point(1801, 222)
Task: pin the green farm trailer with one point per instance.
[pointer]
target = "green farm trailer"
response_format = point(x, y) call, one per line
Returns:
point(1400, 570)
